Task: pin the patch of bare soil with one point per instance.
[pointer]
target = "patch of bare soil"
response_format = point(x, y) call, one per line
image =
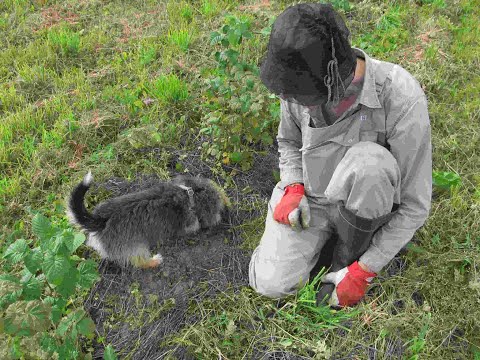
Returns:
point(194, 268)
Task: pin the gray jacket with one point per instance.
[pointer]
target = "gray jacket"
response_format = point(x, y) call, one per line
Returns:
point(391, 106)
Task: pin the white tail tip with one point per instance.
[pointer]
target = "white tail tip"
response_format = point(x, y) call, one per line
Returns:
point(88, 179)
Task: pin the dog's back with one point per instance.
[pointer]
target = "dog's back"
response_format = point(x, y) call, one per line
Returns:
point(154, 214)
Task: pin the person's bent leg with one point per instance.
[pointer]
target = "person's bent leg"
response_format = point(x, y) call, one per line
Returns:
point(363, 186)
point(366, 182)
point(282, 262)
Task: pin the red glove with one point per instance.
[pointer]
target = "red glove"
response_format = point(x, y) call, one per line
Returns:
point(293, 207)
point(351, 282)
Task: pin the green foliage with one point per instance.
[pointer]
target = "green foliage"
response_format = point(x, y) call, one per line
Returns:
point(445, 180)
point(167, 88)
point(208, 8)
point(303, 312)
point(341, 5)
point(418, 343)
point(65, 41)
point(389, 34)
point(181, 38)
point(238, 116)
point(186, 13)
point(130, 98)
point(109, 353)
point(36, 300)
point(147, 55)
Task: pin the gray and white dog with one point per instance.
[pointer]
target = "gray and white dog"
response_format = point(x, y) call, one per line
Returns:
point(124, 228)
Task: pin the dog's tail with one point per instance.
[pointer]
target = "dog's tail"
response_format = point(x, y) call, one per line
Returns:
point(76, 211)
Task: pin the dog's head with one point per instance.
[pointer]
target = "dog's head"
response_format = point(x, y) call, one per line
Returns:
point(222, 194)
point(207, 193)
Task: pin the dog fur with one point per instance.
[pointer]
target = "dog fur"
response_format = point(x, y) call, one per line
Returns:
point(123, 229)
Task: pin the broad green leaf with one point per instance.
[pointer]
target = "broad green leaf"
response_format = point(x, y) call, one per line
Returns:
point(88, 273)
point(67, 287)
point(215, 37)
point(267, 139)
point(225, 29)
point(33, 260)
point(58, 308)
point(69, 323)
point(231, 55)
point(48, 343)
point(235, 157)
point(225, 42)
point(233, 38)
point(25, 275)
point(68, 349)
point(42, 227)
point(58, 244)
point(9, 277)
point(10, 290)
point(78, 239)
point(25, 318)
point(55, 268)
point(247, 35)
point(109, 353)
point(32, 289)
point(86, 327)
point(445, 180)
point(286, 342)
point(16, 251)
point(276, 175)
point(56, 314)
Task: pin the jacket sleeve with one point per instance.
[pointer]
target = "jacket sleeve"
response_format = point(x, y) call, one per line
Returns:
point(289, 140)
point(410, 144)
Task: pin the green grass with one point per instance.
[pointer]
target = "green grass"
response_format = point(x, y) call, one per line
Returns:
point(89, 86)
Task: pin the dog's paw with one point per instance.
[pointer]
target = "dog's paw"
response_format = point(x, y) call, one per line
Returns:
point(157, 260)
point(147, 263)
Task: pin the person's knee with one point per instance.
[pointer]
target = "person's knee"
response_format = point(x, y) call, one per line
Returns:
point(372, 157)
point(272, 279)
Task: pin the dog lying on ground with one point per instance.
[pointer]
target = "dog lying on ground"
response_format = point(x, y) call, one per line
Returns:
point(124, 228)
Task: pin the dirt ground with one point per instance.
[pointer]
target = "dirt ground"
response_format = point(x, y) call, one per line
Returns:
point(194, 269)
point(211, 257)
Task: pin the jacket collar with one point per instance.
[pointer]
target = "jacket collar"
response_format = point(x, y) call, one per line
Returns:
point(368, 95)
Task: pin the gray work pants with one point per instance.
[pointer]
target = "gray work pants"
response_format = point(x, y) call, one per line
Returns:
point(360, 200)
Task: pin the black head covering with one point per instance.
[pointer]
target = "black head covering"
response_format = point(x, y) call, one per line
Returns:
point(309, 59)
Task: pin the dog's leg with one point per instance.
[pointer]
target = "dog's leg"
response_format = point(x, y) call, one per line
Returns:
point(146, 263)
point(141, 257)
point(193, 227)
